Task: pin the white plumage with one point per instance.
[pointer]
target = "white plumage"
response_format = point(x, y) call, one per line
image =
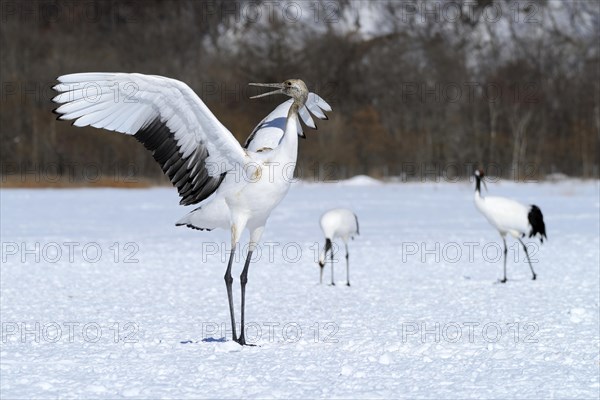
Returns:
point(269, 131)
point(198, 154)
point(337, 223)
point(510, 217)
point(127, 103)
point(506, 215)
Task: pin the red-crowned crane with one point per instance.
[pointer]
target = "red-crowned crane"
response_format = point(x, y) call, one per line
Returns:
point(198, 154)
point(510, 217)
point(337, 223)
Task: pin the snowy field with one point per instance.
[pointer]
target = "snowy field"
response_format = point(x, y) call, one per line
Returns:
point(103, 297)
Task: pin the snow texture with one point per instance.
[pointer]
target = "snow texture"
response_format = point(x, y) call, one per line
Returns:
point(113, 328)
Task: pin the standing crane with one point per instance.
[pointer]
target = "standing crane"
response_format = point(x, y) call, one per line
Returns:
point(198, 154)
point(510, 217)
point(337, 223)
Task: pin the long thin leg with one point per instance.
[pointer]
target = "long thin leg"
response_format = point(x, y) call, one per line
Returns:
point(505, 251)
point(255, 235)
point(243, 281)
point(332, 281)
point(347, 266)
point(323, 258)
point(228, 284)
point(528, 260)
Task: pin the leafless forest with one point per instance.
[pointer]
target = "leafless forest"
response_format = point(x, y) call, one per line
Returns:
point(419, 89)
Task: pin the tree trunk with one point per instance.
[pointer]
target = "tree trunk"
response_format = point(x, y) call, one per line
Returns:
point(519, 125)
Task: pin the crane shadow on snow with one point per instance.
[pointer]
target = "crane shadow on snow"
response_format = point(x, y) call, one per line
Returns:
point(205, 340)
point(214, 340)
point(509, 281)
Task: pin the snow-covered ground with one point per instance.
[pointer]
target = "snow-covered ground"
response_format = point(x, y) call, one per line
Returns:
point(103, 297)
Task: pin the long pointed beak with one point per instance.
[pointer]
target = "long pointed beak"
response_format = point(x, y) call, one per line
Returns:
point(279, 87)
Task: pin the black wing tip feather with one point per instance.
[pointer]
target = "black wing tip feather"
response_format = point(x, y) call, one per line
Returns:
point(194, 227)
point(193, 183)
point(357, 226)
point(536, 220)
point(58, 114)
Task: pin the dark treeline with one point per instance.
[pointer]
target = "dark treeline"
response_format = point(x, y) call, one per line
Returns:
point(417, 87)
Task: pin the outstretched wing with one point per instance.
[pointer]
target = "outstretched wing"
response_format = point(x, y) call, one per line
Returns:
point(269, 131)
point(193, 148)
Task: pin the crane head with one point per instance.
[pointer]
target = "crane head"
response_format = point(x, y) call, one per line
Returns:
point(295, 88)
point(479, 176)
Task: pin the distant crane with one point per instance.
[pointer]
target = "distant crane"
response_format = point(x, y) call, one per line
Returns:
point(510, 217)
point(337, 223)
point(198, 154)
